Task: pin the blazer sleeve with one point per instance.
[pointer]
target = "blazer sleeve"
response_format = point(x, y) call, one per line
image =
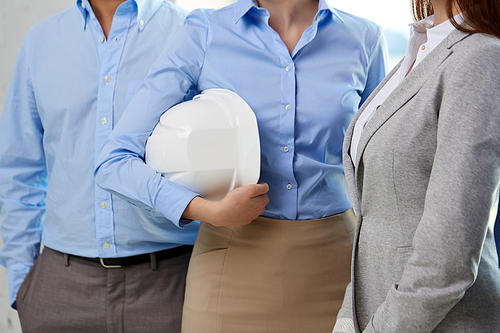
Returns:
point(345, 322)
point(460, 198)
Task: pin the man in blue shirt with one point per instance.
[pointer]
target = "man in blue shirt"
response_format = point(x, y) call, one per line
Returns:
point(74, 76)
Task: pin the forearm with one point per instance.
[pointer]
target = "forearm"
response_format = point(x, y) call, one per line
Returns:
point(201, 210)
point(239, 207)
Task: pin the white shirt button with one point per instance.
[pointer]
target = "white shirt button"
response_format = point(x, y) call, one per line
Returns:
point(288, 68)
point(106, 246)
point(104, 120)
point(141, 22)
point(107, 78)
point(288, 107)
point(286, 149)
point(101, 39)
point(288, 186)
point(103, 205)
point(83, 4)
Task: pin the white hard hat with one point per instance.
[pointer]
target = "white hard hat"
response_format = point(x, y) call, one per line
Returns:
point(209, 145)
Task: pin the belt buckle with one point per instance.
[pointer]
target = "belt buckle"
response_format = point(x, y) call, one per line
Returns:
point(109, 266)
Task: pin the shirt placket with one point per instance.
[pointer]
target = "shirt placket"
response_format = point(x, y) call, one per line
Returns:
point(288, 102)
point(110, 51)
point(287, 133)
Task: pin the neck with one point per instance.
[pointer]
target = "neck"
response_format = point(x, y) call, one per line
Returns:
point(440, 13)
point(104, 11)
point(289, 18)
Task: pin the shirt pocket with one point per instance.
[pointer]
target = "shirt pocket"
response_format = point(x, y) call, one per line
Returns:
point(132, 87)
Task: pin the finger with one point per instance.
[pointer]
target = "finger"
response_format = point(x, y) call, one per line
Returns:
point(259, 189)
point(261, 201)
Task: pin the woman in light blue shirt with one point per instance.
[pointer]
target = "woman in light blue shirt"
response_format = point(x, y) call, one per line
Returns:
point(304, 68)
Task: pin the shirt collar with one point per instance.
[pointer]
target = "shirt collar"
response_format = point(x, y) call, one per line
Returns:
point(425, 26)
point(82, 6)
point(423, 32)
point(324, 6)
point(421, 26)
point(242, 7)
point(437, 34)
point(145, 10)
point(431, 35)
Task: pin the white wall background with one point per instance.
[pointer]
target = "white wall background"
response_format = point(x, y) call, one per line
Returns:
point(17, 16)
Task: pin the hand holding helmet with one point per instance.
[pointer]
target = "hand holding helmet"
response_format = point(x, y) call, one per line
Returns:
point(240, 206)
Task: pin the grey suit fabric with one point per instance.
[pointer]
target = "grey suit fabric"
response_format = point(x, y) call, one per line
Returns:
point(424, 188)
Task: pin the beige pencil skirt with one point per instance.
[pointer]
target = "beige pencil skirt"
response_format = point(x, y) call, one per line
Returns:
point(269, 276)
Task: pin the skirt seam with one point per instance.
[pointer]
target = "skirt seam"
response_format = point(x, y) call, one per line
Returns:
point(221, 281)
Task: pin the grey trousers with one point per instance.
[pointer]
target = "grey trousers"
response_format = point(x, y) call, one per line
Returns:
point(73, 295)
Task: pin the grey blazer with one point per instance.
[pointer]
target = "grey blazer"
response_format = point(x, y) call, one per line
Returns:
point(425, 191)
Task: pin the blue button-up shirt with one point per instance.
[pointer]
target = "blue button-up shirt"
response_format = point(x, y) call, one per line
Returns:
point(69, 87)
point(303, 102)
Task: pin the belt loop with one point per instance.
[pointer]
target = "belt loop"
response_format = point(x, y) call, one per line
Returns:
point(66, 259)
point(154, 266)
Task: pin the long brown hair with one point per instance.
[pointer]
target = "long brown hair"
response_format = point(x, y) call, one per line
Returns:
point(481, 15)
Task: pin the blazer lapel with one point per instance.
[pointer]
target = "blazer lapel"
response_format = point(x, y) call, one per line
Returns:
point(408, 88)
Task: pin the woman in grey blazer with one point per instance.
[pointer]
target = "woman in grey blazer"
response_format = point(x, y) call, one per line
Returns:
point(422, 162)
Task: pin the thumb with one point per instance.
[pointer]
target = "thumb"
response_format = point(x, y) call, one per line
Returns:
point(258, 189)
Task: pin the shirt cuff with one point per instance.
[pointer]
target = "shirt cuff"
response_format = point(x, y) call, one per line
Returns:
point(173, 209)
point(344, 325)
point(185, 222)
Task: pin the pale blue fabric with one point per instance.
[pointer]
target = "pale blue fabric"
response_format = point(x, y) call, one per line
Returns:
point(58, 111)
point(337, 63)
